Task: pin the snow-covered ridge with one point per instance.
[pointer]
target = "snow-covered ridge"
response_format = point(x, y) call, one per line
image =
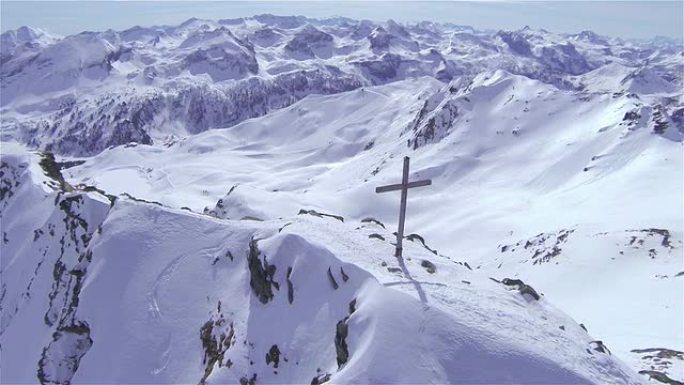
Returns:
point(521, 158)
point(83, 93)
point(556, 160)
point(103, 289)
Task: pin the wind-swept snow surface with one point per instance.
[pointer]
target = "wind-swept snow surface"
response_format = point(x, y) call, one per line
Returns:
point(210, 212)
point(136, 292)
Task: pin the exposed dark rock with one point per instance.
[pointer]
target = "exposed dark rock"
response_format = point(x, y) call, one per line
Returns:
point(290, 287)
point(251, 218)
point(380, 70)
point(660, 377)
point(664, 233)
point(429, 266)
point(599, 347)
point(332, 280)
point(273, 355)
point(373, 220)
point(64, 294)
point(217, 337)
point(248, 381)
point(320, 215)
point(522, 287)
point(636, 242)
point(87, 188)
point(352, 306)
point(544, 246)
point(342, 330)
point(416, 237)
point(52, 170)
point(661, 352)
point(131, 197)
point(345, 277)
point(631, 116)
point(88, 126)
point(320, 379)
point(516, 41)
point(261, 274)
point(60, 359)
point(432, 123)
point(376, 236)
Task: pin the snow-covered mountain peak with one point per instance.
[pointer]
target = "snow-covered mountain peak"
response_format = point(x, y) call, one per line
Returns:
point(213, 176)
point(15, 42)
point(200, 303)
point(205, 61)
point(591, 37)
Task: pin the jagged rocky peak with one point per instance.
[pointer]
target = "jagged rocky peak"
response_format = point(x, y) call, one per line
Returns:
point(211, 37)
point(591, 37)
point(284, 22)
point(564, 57)
point(362, 29)
point(310, 42)
point(396, 29)
point(220, 55)
point(24, 37)
point(379, 39)
point(516, 42)
point(267, 37)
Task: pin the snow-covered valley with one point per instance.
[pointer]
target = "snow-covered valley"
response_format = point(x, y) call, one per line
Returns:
point(172, 239)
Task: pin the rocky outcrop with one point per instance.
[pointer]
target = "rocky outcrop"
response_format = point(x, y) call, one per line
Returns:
point(341, 332)
point(261, 274)
point(522, 287)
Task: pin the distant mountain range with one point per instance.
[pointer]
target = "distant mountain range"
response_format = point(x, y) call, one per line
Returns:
point(83, 93)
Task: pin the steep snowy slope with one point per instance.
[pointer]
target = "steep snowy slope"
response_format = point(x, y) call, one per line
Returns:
point(124, 291)
point(509, 158)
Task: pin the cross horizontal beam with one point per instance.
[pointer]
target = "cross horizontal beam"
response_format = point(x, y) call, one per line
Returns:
point(399, 186)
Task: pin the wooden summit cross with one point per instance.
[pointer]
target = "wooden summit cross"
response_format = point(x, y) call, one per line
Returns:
point(403, 186)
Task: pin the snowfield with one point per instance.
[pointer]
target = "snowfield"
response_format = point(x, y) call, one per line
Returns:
point(137, 292)
point(210, 216)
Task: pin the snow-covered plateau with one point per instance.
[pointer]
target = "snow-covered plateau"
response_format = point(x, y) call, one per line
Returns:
point(196, 204)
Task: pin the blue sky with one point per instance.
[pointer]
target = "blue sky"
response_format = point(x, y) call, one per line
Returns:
point(627, 19)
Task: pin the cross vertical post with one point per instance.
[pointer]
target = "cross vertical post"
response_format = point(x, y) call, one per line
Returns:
point(402, 208)
point(404, 186)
